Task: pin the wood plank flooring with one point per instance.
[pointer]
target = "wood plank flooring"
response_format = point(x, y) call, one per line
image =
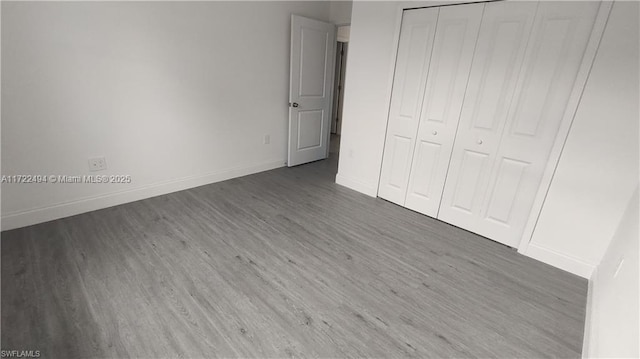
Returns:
point(284, 263)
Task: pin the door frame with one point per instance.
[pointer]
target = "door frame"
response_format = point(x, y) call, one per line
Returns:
point(340, 68)
point(338, 84)
point(565, 124)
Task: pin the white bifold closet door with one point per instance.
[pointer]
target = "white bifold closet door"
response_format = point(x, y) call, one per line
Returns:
point(525, 66)
point(453, 48)
point(412, 66)
point(432, 69)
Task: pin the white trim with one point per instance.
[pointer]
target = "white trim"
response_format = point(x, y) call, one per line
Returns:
point(331, 86)
point(588, 341)
point(88, 204)
point(341, 37)
point(357, 185)
point(389, 87)
point(565, 124)
point(560, 260)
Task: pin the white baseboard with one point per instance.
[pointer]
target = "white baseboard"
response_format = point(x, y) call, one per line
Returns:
point(357, 185)
point(88, 204)
point(560, 260)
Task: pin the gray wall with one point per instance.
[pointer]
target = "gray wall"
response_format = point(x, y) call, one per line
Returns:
point(175, 94)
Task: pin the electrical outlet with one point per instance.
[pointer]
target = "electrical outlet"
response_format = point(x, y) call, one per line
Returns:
point(266, 140)
point(97, 164)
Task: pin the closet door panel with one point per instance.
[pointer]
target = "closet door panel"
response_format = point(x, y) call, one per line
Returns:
point(453, 48)
point(472, 172)
point(554, 56)
point(499, 55)
point(412, 66)
point(527, 126)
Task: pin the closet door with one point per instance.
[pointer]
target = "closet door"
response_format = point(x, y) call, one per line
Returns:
point(454, 43)
point(502, 41)
point(511, 117)
point(412, 65)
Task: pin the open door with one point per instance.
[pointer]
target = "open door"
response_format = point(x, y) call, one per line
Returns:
point(313, 47)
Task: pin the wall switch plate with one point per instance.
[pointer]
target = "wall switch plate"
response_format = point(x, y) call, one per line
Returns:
point(97, 164)
point(266, 140)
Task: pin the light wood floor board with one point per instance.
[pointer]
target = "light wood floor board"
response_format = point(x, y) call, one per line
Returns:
point(284, 263)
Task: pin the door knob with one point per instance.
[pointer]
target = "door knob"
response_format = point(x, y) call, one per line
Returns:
point(479, 142)
point(434, 133)
point(295, 104)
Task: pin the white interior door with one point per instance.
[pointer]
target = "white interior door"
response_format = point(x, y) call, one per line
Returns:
point(310, 89)
point(514, 106)
point(412, 66)
point(453, 48)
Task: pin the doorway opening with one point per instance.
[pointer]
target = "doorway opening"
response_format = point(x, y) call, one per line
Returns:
point(338, 93)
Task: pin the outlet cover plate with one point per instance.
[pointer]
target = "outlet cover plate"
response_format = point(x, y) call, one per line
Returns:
point(97, 164)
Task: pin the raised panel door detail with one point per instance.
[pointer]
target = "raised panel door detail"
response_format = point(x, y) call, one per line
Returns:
point(556, 53)
point(401, 151)
point(310, 129)
point(505, 190)
point(427, 158)
point(472, 168)
point(549, 57)
point(413, 69)
point(498, 75)
point(499, 55)
point(454, 44)
point(412, 66)
point(445, 67)
point(313, 63)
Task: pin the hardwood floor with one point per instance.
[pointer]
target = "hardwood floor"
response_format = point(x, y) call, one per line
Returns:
point(284, 263)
